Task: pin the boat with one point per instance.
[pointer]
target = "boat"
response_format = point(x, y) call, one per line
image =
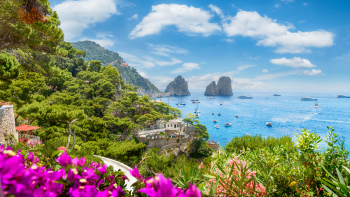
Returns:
point(219, 114)
point(196, 111)
point(173, 98)
point(237, 116)
point(245, 97)
point(215, 121)
point(194, 100)
point(217, 126)
point(277, 95)
point(210, 97)
point(197, 115)
point(269, 124)
point(181, 103)
point(228, 124)
point(342, 96)
point(319, 113)
point(220, 103)
point(307, 99)
point(316, 104)
point(212, 113)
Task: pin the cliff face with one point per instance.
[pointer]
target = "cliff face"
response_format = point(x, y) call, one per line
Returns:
point(178, 87)
point(223, 88)
point(211, 89)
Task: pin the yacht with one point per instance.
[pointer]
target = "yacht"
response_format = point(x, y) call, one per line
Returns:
point(316, 104)
point(277, 95)
point(219, 114)
point(228, 124)
point(269, 124)
point(245, 97)
point(212, 113)
point(217, 126)
point(342, 96)
point(196, 111)
point(237, 116)
point(308, 99)
point(215, 121)
point(210, 97)
point(198, 115)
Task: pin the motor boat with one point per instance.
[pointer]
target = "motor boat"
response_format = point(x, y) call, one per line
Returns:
point(215, 121)
point(212, 113)
point(342, 96)
point(197, 115)
point(269, 124)
point(194, 100)
point(228, 124)
point(245, 97)
point(316, 104)
point(220, 103)
point(319, 113)
point(210, 97)
point(276, 95)
point(307, 99)
point(237, 116)
point(219, 114)
point(217, 126)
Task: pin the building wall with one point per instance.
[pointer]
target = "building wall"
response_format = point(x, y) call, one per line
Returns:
point(163, 142)
point(7, 123)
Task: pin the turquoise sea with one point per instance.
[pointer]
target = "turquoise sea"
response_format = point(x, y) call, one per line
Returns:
point(286, 113)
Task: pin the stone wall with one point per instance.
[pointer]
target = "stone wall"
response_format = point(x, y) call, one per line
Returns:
point(164, 142)
point(7, 123)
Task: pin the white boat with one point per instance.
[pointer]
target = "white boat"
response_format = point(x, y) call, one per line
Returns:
point(316, 104)
point(215, 121)
point(212, 113)
point(245, 97)
point(219, 114)
point(277, 95)
point(210, 97)
point(217, 126)
point(237, 116)
point(269, 124)
point(197, 115)
point(308, 99)
point(228, 124)
point(196, 111)
point(342, 96)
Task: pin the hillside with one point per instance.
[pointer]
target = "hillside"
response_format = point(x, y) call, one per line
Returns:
point(130, 75)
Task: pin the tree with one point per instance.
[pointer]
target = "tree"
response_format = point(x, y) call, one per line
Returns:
point(201, 131)
point(190, 119)
point(95, 66)
point(9, 68)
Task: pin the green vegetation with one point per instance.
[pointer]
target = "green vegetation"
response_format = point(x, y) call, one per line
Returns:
point(95, 52)
point(247, 142)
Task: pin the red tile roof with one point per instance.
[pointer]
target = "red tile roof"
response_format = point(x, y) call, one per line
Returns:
point(26, 128)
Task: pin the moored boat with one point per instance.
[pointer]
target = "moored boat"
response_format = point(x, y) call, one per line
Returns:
point(215, 121)
point(219, 114)
point(245, 97)
point(316, 104)
point(307, 99)
point(212, 113)
point(217, 126)
point(228, 124)
point(277, 95)
point(237, 116)
point(342, 96)
point(269, 124)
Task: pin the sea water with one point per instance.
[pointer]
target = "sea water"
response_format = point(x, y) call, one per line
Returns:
point(287, 114)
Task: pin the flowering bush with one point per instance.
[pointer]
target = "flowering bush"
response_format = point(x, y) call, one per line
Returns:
point(23, 174)
point(159, 186)
point(232, 177)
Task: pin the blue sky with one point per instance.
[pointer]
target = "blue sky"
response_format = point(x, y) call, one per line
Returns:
point(278, 44)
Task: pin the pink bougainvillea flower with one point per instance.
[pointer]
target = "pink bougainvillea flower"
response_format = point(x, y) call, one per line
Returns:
point(159, 187)
point(135, 173)
point(64, 160)
point(102, 169)
point(124, 177)
point(78, 162)
point(192, 191)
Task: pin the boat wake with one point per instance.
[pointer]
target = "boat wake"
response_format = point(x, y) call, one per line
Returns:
point(335, 121)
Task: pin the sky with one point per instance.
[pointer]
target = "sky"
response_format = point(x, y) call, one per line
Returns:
point(294, 45)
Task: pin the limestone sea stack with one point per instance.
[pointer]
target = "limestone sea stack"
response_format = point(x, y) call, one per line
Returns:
point(178, 87)
point(223, 88)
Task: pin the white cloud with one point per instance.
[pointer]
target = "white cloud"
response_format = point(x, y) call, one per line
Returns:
point(277, 5)
point(186, 67)
point(288, 0)
point(296, 62)
point(134, 61)
point(172, 62)
point(243, 67)
point(217, 10)
point(313, 72)
point(265, 71)
point(165, 50)
point(186, 19)
point(135, 16)
point(305, 4)
point(270, 33)
point(75, 16)
point(103, 39)
point(229, 40)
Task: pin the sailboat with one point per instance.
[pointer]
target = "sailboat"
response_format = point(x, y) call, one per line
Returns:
point(196, 111)
point(173, 96)
point(181, 104)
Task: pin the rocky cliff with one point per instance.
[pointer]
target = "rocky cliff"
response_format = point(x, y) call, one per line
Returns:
point(223, 88)
point(211, 89)
point(178, 87)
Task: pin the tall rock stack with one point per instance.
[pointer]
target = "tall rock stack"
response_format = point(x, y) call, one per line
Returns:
point(178, 87)
point(223, 88)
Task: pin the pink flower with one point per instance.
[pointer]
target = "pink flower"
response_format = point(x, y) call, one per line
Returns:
point(64, 160)
point(135, 173)
point(200, 166)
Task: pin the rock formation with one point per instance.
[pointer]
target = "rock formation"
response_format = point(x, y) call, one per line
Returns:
point(223, 88)
point(178, 87)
